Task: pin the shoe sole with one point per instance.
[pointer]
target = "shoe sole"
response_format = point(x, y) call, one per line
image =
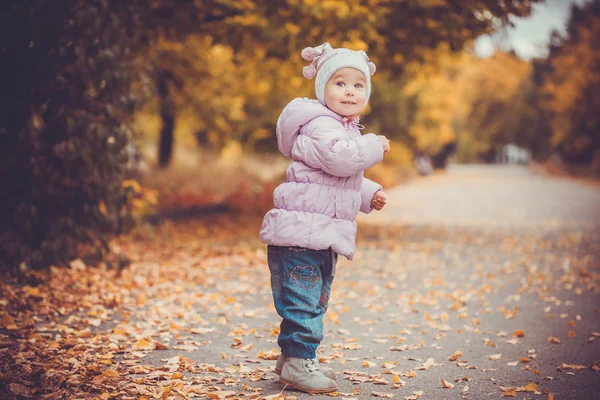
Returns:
point(309, 391)
point(334, 377)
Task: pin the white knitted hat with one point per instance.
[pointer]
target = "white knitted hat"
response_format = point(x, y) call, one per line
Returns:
point(326, 60)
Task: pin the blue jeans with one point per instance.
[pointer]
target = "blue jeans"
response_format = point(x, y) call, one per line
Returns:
point(301, 283)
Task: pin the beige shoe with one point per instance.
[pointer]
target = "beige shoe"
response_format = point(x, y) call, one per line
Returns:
point(281, 359)
point(306, 375)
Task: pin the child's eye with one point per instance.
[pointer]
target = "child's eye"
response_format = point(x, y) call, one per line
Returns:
point(340, 84)
point(358, 86)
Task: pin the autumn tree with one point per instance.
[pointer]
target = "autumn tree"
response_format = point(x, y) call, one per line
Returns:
point(67, 85)
point(571, 85)
point(269, 39)
point(488, 115)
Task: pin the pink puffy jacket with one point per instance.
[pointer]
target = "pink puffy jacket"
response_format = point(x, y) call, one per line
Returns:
point(325, 187)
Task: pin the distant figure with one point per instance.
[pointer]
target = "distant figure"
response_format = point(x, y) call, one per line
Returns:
point(314, 215)
point(513, 154)
point(423, 164)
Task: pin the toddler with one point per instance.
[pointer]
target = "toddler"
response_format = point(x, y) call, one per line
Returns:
point(313, 219)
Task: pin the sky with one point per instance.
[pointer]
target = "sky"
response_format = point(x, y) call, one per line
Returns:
point(529, 36)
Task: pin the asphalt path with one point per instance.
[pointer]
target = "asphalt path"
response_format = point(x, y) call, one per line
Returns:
point(483, 277)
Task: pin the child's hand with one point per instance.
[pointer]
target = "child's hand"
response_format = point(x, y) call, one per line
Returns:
point(379, 200)
point(385, 143)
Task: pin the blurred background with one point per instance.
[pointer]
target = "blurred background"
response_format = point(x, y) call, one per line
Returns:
point(115, 111)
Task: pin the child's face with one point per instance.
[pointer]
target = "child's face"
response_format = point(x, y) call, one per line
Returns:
point(346, 92)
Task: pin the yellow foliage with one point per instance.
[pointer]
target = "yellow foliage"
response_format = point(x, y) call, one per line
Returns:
point(574, 70)
point(292, 28)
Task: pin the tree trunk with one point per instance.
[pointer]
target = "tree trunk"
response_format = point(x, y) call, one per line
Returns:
point(165, 144)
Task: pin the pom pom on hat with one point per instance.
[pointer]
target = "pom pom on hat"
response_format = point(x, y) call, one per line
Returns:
point(309, 71)
point(309, 53)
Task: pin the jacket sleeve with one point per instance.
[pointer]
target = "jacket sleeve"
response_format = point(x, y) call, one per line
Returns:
point(367, 191)
point(324, 145)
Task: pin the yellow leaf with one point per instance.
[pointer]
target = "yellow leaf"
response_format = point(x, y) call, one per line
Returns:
point(532, 387)
point(9, 322)
point(111, 373)
point(84, 333)
point(293, 29)
point(446, 384)
point(34, 292)
point(570, 366)
point(144, 344)
point(269, 355)
point(455, 356)
point(221, 394)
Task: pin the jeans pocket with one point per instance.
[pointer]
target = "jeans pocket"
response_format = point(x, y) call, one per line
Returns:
point(303, 276)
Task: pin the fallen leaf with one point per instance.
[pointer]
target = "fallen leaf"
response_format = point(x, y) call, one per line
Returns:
point(9, 322)
point(269, 355)
point(111, 373)
point(495, 356)
point(144, 344)
point(382, 394)
point(518, 333)
point(245, 348)
point(446, 384)
point(352, 346)
point(222, 394)
point(571, 366)
point(396, 379)
point(531, 387)
point(280, 396)
point(426, 365)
